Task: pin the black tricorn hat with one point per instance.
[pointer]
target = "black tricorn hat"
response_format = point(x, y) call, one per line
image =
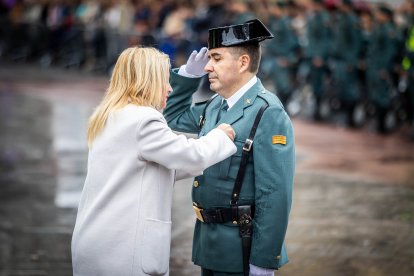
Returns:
point(252, 31)
point(386, 10)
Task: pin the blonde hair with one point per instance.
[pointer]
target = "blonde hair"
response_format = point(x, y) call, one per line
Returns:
point(139, 77)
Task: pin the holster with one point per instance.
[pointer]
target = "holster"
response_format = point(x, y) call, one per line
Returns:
point(245, 231)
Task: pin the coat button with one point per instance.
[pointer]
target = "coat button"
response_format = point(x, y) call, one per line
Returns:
point(277, 258)
point(195, 183)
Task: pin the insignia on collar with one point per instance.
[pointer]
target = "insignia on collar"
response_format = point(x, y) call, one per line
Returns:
point(279, 139)
point(248, 101)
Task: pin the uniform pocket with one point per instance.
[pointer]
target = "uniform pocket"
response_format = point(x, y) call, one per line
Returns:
point(230, 166)
point(156, 247)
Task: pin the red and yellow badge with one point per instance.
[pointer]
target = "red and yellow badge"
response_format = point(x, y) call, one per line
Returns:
point(279, 139)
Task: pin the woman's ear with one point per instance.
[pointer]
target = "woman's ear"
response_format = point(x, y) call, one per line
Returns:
point(244, 63)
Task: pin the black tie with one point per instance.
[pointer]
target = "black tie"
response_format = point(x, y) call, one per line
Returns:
point(223, 109)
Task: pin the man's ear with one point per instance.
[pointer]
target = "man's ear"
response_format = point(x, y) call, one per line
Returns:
point(244, 63)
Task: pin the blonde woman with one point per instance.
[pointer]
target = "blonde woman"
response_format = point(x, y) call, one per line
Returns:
point(123, 226)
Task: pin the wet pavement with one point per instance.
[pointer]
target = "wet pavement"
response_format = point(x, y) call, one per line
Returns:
point(352, 214)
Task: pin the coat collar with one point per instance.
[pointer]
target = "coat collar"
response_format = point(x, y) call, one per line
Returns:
point(237, 111)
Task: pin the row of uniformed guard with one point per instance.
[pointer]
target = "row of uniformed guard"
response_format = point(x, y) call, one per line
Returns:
point(348, 59)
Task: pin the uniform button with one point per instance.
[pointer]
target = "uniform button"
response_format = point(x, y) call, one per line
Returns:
point(277, 258)
point(196, 183)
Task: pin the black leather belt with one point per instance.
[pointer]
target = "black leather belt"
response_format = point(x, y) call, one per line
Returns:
point(217, 215)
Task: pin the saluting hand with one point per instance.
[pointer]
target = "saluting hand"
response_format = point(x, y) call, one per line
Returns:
point(228, 130)
point(196, 62)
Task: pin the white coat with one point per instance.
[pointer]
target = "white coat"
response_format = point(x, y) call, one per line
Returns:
point(123, 226)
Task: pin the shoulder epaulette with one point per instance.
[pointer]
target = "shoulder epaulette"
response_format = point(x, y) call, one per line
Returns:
point(270, 98)
point(264, 97)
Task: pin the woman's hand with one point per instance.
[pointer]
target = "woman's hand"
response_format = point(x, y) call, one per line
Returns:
point(228, 130)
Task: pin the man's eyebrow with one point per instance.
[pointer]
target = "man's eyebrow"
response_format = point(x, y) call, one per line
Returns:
point(215, 55)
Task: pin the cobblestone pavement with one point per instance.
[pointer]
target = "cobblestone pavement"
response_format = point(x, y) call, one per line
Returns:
point(352, 214)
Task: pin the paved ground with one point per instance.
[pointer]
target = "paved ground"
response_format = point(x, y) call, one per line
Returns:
point(353, 209)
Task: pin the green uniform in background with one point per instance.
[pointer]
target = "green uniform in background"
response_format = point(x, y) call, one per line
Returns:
point(283, 52)
point(379, 60)
point(346, 46)
point(317, 52)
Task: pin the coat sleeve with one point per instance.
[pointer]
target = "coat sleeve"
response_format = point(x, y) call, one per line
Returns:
point(158, 143)
point(180, 114)
point(182, 174)
point(274, 164)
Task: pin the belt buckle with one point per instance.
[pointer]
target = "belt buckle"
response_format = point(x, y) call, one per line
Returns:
point(197, 211)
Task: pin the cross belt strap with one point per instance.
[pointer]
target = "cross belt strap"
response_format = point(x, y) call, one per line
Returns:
point(245, 157)
point(244, 216)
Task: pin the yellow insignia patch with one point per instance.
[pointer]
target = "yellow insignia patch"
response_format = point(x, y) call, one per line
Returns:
point(279, 139)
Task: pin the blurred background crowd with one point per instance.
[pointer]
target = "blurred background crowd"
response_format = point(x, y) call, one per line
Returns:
point(349, 57)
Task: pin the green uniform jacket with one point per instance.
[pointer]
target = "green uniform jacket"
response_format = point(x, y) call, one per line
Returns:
point(346, 39)
point(268, 181)
point(319, 35)
point(346, 46)
point(381, 51)
point(285, 42)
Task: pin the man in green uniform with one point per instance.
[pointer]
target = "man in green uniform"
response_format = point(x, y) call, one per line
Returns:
point(317, 50)
point(282, 49)
point(346, 47)
point(380, 57)
point(239, 227)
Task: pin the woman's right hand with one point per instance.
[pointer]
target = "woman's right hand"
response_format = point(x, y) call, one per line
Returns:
point(228, 130)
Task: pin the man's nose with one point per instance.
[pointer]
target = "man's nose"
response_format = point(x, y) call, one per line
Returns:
point(208, 67)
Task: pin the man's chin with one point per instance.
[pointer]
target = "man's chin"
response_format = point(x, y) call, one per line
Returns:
point(213, 87)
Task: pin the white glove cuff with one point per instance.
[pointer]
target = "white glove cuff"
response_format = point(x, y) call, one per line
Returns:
point(260, 271)
point(183, 72)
